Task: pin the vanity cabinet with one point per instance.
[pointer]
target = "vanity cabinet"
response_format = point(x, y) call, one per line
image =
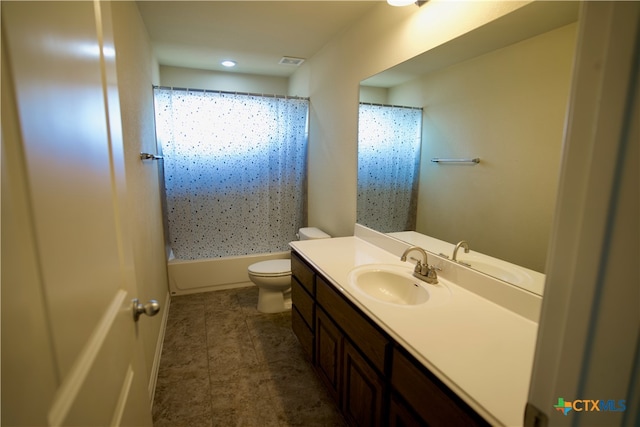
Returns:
point(372, 378)
point(303, 306)
point(350, 358)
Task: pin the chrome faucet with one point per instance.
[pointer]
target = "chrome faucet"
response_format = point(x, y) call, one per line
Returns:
point(461, 244)
point(423, 270)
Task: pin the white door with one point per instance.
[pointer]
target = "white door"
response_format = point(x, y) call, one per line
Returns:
point(69, 339)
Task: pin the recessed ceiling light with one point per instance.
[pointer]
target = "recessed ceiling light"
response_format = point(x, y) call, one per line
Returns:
point(228, 63)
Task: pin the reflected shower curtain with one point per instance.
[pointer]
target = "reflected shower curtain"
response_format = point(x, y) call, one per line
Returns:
point(235, 167)
point(388, 166)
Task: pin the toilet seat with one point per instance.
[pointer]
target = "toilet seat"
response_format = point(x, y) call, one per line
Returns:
point(271, 268)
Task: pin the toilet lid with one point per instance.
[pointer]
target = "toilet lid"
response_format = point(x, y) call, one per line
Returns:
point(274, 267)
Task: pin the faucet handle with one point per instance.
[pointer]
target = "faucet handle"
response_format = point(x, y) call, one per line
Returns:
point(427, 269)
point(431, 273)
point(420, 269)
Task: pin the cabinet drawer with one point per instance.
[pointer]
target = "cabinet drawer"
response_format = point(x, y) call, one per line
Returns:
point(303, 273)
point(303, 302)
point(304, 334)
point(355, 325)
point(433, 401)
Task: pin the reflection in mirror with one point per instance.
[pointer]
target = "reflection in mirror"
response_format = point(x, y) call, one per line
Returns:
point(388, 164)
point(498, 93)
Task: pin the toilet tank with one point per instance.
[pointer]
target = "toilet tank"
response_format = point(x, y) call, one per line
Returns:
point(312, 233)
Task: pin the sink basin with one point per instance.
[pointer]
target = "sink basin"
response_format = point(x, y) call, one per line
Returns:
point(395, 285)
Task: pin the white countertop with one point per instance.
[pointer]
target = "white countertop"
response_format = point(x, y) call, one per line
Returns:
point(481, 350)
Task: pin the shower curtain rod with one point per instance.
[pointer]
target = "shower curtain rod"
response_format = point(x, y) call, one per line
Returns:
point(230, 93)
point(389, 105)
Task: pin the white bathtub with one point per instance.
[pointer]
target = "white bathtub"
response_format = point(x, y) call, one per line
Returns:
point(203, 275)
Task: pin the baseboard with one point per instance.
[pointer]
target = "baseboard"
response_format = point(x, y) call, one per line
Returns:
point(156, 359)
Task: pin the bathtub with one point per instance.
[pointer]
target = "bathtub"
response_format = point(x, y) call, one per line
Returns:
point(203, 275)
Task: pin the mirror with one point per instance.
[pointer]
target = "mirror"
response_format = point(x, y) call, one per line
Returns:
point(498, 93)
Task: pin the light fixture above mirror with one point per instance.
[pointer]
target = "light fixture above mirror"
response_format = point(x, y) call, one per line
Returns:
point(405, 2)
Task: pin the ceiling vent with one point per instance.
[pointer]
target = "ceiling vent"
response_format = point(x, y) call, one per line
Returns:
point(289, 60)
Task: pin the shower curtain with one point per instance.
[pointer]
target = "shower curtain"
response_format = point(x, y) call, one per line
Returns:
point(235, 166)
point(389, 139)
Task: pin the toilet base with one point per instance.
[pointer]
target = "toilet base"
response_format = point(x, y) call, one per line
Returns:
point(273, 301)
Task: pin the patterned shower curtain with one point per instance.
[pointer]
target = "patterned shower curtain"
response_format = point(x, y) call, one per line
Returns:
point(235, 166)
point(388, 166)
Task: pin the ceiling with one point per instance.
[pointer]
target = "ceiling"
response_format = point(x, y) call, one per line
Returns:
point(255, 34)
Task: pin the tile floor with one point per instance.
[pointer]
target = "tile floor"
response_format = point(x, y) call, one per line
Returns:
point(225, 364)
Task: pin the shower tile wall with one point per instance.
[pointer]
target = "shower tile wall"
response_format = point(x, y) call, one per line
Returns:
point(225, 364)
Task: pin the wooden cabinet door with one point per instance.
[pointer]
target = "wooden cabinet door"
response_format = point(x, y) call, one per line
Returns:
point(431, 400)
point(303, 333)
point(401, 416)
point(362, 390)
point(329, 348)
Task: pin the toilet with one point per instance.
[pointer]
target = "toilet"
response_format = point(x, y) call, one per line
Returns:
point(273, 277)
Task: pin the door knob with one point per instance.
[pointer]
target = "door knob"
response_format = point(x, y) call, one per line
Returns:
point(151, 308)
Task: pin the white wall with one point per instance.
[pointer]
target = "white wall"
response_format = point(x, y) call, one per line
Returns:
point(223, 81)
point(374, 95)
point(137, 71)
point(383, 38)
